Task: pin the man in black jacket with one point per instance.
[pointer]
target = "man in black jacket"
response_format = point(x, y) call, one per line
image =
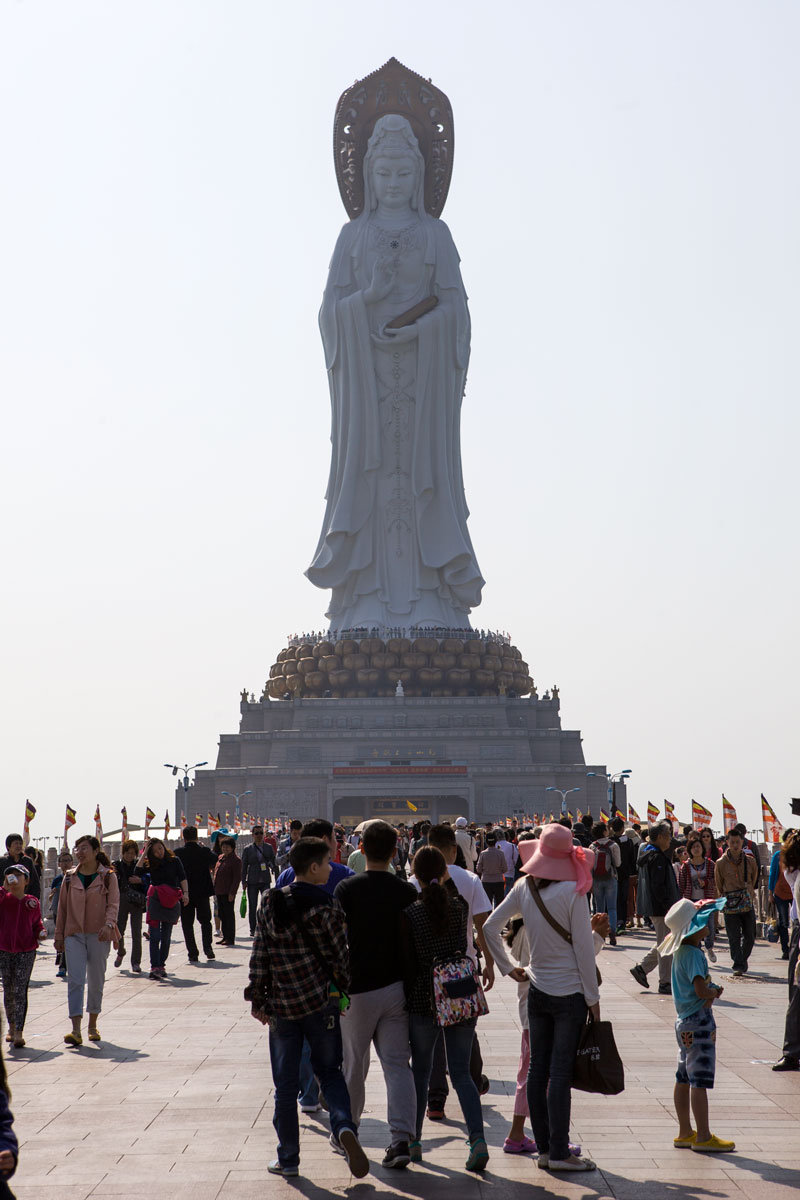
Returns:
point(259, 865)
point(198, 863)
point(16, 857)
point(660, 893)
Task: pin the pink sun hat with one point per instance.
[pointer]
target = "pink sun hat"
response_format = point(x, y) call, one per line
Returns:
point(554, 856)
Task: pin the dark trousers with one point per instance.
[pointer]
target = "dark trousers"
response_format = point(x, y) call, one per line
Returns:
point(198, 908)
point(555, 1024)
point(622, 899)
point(324, 1037)
point(741, 931)
point(438, 1088)
point(783, 908)
point(495, 892)
point(127, 910)
point(791, 1036)
point(254, 891)
point(423, 1033)
point(227, 918)
point(160, 939)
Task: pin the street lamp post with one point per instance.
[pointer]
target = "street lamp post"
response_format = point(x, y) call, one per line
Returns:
point(236, 797)
point(186, 770)
point(563, 794)
point(612, 781)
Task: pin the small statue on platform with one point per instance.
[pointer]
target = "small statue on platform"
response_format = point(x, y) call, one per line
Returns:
point(555, 692)
point(398, 691)
point(244, 696)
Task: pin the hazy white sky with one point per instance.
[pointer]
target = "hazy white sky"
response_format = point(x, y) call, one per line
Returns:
point(625, 201)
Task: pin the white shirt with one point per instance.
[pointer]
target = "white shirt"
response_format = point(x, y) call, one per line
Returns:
point(467, 843)
point(510, 854)
point(470, 888)
point(556, 966)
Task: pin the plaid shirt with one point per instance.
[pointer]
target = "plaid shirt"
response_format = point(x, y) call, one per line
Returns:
point(287, 980)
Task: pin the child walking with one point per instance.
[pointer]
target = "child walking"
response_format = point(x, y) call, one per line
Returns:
point(20, 929)
point(695, 1027)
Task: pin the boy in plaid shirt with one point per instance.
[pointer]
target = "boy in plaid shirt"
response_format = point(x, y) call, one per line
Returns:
point(298, 967)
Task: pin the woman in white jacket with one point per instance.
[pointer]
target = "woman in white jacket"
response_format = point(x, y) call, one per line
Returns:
point(551, 899)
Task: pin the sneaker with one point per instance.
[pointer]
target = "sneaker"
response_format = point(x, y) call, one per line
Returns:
point(357, 1160)
point(685, 1143)
point(640, 975)
point(136, 968)
point(310, 1108)
point(714, 1145)
point(275, 1168)
point(120, 956)
point(415, 1151)
point(154, 974)
point(612, 939)
point(334, 1145)
point(737, 971)
point(712, 957)
point(478, 1155)
point(665, 989)
point(193, 961)
point(435, 1114)
point(61, 973)
point(210, 954)
point(398, 1155)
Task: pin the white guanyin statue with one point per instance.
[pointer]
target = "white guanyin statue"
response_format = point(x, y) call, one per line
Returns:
point(394, 549)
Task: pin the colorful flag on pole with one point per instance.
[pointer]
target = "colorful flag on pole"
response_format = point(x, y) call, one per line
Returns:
point(197, 820)
point(183, 819)
point(700, 815)
point(69, 821)
point(729, 818)
point(633, 815)
point(669, 813)
point(652, 813)
point(98, 825)
point(30, 813)
point(604, 815)
point(149, 816)
point(772, 826)
point(413, 807)
point(167, 825)
point(213, 822)
point(579, 814)
point(124, 824)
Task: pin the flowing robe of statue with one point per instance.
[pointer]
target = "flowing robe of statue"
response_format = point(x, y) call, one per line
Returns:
point(394, 547)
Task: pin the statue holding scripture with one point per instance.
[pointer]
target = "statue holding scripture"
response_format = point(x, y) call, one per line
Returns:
point(394, 548)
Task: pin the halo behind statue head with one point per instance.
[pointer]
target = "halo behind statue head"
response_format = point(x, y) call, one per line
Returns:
point(393, 89)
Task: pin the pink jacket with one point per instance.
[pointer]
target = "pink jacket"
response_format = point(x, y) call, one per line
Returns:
point(87, 910)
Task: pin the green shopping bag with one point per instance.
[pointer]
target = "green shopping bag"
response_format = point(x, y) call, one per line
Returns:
point(243, 905)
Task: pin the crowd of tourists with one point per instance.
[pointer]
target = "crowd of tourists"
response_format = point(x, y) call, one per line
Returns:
point(389, 937)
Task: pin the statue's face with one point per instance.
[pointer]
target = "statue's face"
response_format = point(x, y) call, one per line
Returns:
point(394, 180)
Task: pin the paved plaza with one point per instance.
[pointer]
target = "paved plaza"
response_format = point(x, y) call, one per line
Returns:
point(176, 1102)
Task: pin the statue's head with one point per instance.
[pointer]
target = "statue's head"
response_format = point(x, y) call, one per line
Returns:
point(394, 169)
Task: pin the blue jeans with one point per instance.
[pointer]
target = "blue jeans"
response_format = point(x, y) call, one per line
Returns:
point(423, 1033)
point(604, 894)
point(160, 938)
point(309, 1088)
point(321, 1030)
point(555, 1024)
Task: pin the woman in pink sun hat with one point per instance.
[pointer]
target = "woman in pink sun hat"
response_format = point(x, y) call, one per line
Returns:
point(563, 941)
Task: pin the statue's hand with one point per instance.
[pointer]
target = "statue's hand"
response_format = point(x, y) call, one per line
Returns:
point(395, 337)
point(383, 277)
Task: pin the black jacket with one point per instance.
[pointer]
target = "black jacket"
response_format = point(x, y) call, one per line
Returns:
point(198, 863)
point(662, 885)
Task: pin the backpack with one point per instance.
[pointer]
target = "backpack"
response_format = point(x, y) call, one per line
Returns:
point(603, 867)
point(457, 992)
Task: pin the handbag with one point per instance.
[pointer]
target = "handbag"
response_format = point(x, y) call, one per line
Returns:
point(598, 1067)
point(739, 901)
point(243, 904)
point(553, 923)
point(457, 992)
point(135, 899)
